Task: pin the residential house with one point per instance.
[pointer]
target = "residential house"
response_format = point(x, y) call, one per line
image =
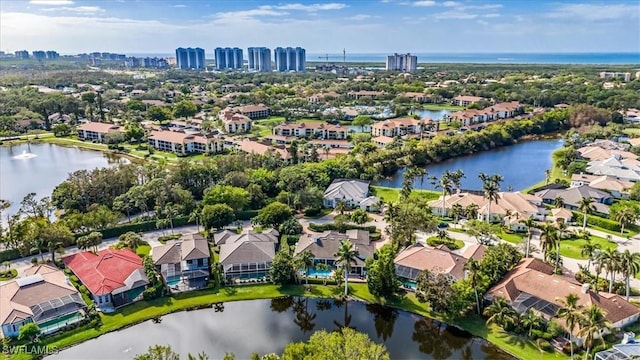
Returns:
point(509, 209)
point(247, 257)
point(230, 237)
point(382, 141)
point(418, 97)
point(183, 263)
point(627, 350)
point(492, 113)
point(593, 153)
point(466, 100)
point(561, 215)
point(234, 122)
point(331, 144)
point(532, 284)
point(368, 93)
point(419, 257)
point(113, 277)
point(323, 97)
point(312, 130)
point(354, 193)
point(30, 124)
point(183, 143)
point(249, 146)
point(571, 197)
point(97, 131)
point(397, 127)
point(627, 169)
point(325, 246)
point(42, 295)
point(619, 189)
point(253, 112)
point(632, 116)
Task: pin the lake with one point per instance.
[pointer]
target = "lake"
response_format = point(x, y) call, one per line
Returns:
point(432, 114)
point(39, 168)
point(522, 165)
point(267, 326)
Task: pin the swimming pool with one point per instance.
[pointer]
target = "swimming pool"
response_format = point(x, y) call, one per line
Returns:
point(319, 274)
point(173, 280)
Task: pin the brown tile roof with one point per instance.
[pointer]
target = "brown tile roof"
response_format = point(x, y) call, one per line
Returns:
point(100, 127)
point(468, 98)
point(442, 260)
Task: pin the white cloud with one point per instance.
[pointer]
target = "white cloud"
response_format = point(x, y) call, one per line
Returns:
point(594, 12)
point(243, 15)
point(360, 17)
point(51, 2)
point(492, 15)
point(311, 7)
point(455, 15)
point(77, 9)
point(451, 4)
point(180, 6)
point(480, 7)
point(424, 3)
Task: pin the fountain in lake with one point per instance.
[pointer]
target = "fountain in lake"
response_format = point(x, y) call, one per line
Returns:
point(24, 156)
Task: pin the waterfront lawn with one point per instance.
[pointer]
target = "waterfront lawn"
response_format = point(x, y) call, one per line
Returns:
point(388, 194)
point(437, 107)
point(572, 248)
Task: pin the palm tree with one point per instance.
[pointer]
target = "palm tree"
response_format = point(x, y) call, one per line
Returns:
point(323, 268)
point(446, 185)
point(629, 265)
point(456, 178)
point(571, 312)
point(558, 202)
point(610, 259)
point(547, 238)
point(592, 325)
point(626, 215)
point(547, 176)
point(341, 206)
point(472, 268)
point(590, 250)
point(530, 223)
point(530, 320)
point(500, 313)
point(586, 206)
point(456, 211)
point(471, 211)
point(345, 256)
point(491, 187)
point(306, 260)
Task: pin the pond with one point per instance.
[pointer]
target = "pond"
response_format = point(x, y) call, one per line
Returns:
point(522, 165)
point(432, 114)
point(40, 168)
point(267, 326)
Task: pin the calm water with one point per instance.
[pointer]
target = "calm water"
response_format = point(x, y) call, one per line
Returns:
point(431, 114)
point(521, 165)
point(21, 174)
point(267, 326)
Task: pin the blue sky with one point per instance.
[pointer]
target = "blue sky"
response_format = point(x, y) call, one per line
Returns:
point(360, 26)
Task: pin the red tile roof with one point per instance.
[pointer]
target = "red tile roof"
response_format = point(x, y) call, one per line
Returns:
point(105, 271)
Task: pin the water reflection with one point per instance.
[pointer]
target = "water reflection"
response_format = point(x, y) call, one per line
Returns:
point(384, 319)
point(304, 318)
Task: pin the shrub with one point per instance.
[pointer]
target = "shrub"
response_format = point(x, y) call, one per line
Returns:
point(83, 289)
point(536, 334)
point(593, 220)
point(344, 227)
point(545, 346)
point(449, 243)
point(312, 212)
point(9, 255)
point(74, 279)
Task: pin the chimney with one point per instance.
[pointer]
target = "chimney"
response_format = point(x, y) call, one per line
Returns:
point(585, 288)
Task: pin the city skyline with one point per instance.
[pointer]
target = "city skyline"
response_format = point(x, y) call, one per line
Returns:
point(381, 26)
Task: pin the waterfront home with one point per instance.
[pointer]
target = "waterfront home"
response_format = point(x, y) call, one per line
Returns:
point(571, 197)
point(627, 169)
point(234, 121)
point(183, 263)
point(532, 284)
point(397, 127)
point(183, 143)
point(513, 205)
point(97, 131)
point(312, 130)
point(492, 113)
point(619, 189)
point(419, 257)
point(113, 277)
point(354, 193)
point(43, 295)
point(594, 153)
point(229, 237)
point(324, 247)
point(247, 258)
point(466, 100)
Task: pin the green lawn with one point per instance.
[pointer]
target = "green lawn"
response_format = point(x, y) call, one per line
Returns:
point(388, 194)
point(631, 131)
point(573, 248)
point(437, 107)
point(143, 250)
point(629, 231)
point(513, 238)
point(8, 275)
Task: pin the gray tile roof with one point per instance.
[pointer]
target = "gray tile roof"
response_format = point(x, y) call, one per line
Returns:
point(572, 196)
point(191, 246)
point(356, 190)
point(326, 245)
point(244, 252)
point(230, 237)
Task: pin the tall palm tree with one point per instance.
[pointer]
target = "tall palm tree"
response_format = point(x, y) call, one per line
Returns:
point(447, 186)
point(547, 237)
point(306, 260)
point(491, 187)
point(474, 276)
point(629, 265)
point(456, 178)
point(456, 211)
point(530, 320)
point(590, 250)
point(571, 312)
point(586, 206)
point(626, 215)
point(610, 259)
point(500, 313)
point(530, 223)
point(558, 202)
point(471, 211)
point(591, 327)
point(341, 206)
point(345, 256)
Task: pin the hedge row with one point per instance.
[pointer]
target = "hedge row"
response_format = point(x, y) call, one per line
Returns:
point(607, 224)
point(9, 255)
point(342, 228)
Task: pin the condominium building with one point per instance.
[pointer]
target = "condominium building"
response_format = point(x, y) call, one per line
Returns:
point(402, 62)
point(290, 59)
point(22, 54)
point(259, 59)
point(625, 76)
point(190, 58)
point(52, 54)
point(229, 58)
point(39, 55)
point(183, 143)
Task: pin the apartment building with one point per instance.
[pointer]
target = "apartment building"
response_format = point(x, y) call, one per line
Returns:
point(259, 59)
point(229, 58)
point(190, 58)
point(312, 130)
point(396, 127)
point(402, 62)
point(492, 113)
point(624, 76)
point(234, 121)
point(253, 112)
point(97, 131)
point(466, 100)
point(182, 143)
point(290, 59)
point(372, 94)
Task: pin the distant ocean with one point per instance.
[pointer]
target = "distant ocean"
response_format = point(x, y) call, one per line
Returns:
point(478, 58)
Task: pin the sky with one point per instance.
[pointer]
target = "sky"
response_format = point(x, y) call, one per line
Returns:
point(359, 26)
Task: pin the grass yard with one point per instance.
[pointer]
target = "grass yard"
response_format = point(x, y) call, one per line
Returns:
point(573, 248)
point(437, 107)
point(8, 275)
point(143, 250)
point(513, 238)
point(388, 194)
point(631, 131)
